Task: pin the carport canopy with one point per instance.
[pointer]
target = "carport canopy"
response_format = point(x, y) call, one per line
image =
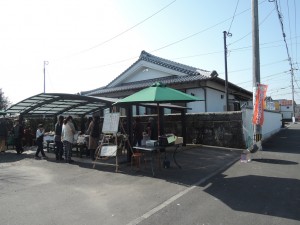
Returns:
point(53, 104)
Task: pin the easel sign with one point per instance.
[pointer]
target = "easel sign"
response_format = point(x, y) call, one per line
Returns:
point(110, 126)
point(111, 123)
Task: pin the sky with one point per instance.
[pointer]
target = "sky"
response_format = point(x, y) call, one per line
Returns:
point(80, 45)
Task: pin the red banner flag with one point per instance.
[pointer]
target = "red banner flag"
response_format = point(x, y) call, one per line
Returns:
point(258, 111)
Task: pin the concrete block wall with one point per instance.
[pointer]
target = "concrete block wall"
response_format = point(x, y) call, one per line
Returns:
point(215, 129)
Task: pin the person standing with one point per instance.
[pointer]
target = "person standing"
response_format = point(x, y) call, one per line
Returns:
point(138, 130)
point(18, 135)
point(94, 135)
point(39, 142)
point(67, 137)
point(152, 129)
point(3, 134)
point(57, 138)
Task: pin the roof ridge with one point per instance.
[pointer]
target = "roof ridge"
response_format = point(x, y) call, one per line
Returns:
point(147, 83)
point(146, 56)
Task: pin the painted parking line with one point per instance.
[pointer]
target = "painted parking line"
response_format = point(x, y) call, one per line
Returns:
point(180, 194)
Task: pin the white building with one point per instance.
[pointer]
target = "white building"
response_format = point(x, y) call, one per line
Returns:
point(198, 82)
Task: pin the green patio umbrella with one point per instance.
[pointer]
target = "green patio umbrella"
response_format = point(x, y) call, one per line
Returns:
point(158, 93)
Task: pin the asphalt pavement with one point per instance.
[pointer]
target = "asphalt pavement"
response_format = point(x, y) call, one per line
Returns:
point(212, 187)
point(263, 191)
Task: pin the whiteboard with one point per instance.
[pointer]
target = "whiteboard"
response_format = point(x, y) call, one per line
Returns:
point(111, 123)
point(109, 150)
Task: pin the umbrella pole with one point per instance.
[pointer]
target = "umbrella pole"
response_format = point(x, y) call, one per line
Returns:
point(158, 118)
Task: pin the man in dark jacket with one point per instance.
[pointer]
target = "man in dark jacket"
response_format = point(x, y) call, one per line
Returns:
point(57, 138)
point(18, 132)
point(3, 134)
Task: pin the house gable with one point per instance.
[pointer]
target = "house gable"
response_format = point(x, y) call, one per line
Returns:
point(149, 67)
point(144, 71)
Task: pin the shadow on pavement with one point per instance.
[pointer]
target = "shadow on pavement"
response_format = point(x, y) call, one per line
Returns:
point(275, 161)
point(286, 140)
point(10, 156)
point(196, 163)
point(258, 194)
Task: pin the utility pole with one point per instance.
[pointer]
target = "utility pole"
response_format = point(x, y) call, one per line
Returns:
point(45, 63)
point(293, 104)
point(257, 130)
point(225, 34)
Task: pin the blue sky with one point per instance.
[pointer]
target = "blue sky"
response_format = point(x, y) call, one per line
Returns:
point(90, 42)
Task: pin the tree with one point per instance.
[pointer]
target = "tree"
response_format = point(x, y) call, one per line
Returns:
point(4, 102)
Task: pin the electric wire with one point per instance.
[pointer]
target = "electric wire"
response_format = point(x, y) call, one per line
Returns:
point(173, 43)
point(270, 13)
point(295, 6)
point(233, 16)
point(289, 22)
point(168, 45)
point(125, 31)
point(272, 75)
point(283, 33)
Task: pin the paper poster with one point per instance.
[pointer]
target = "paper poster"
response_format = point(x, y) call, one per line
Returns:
point(111, 123)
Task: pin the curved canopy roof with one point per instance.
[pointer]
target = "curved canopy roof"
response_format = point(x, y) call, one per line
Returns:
point(52, 104)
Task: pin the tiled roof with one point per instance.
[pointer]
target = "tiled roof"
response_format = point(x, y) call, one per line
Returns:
point(191, 72)
point(146, 83)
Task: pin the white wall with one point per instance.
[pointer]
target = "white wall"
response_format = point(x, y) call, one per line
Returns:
point(145, 74)
point(272, 124)
point(198, 106)
point(286, 111)
point(142, 110)
point(215, 103)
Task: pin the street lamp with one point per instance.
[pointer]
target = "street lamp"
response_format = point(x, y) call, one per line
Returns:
point(45, 63)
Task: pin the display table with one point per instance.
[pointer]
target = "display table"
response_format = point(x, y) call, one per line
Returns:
point(158, 150)
point(49, 142)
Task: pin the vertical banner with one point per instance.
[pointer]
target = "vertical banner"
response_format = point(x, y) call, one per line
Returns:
point(258, 111)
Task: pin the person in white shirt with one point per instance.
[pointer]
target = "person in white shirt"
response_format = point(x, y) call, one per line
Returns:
point(67, 137)
point(39, 142)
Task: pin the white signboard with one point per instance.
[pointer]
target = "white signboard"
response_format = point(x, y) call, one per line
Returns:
point(111, 123)
point(109, 150)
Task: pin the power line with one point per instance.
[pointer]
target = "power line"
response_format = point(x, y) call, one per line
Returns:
point(245, 69)
point(289, 20)
point(185, 38)
point(199, 32)
point(125, 31)
point(183, 57)
point(277, 89)
point(168, 45)
point(271, 75)
point(173, 43)
point(296, 28)
point(233, 16)
point(251, 31)
point(288, 54)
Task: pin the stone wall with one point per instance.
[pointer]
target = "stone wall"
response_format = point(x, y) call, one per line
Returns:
point(215, 129)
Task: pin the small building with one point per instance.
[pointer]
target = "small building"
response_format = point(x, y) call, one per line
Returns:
point(286, 108)
point(198, 82)
point(297, 112)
